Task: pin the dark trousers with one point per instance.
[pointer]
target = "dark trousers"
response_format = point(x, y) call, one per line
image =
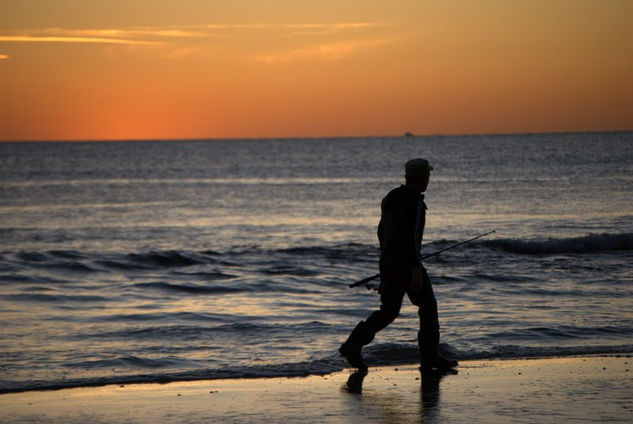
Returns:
point(393, 287)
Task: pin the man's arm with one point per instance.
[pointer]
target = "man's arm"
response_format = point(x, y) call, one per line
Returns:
point(413, 222)
point(417, 216)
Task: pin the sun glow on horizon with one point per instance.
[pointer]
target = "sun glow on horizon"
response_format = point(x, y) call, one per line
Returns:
point(359, 68)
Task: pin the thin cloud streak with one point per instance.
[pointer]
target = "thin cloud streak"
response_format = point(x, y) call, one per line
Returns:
point(300, 26)
point(4, 56)
point(130, 35)
point(329, 51)
point(175, 38)
point(57, 39)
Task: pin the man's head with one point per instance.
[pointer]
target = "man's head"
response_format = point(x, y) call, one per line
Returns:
point(417, 173)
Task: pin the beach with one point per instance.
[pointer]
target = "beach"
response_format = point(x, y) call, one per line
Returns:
point(145, 262)
point(546, 390)
point(135, 264)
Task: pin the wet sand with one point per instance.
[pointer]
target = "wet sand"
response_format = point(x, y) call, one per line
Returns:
point(551, 390)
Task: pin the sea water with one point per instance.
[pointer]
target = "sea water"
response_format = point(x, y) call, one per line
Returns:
point(167, 260)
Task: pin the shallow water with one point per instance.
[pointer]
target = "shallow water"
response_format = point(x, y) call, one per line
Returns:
point(150, 261)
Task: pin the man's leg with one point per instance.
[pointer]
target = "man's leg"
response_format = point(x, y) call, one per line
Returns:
point(429, 334)
point(351, 349)
point(363, 334)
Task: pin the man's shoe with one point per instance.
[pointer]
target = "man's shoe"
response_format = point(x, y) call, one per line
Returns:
point(350, 350)
point(353, 355)
point(439, 362)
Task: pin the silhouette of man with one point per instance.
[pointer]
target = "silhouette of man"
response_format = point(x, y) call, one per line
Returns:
point(400, 231)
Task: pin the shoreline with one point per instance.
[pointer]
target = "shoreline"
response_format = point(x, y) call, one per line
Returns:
point(184, 378)
point(565, 389)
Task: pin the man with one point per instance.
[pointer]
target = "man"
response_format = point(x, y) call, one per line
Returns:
point(400, 232)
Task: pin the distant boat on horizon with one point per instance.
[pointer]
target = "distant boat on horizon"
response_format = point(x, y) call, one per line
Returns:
point(408, 134)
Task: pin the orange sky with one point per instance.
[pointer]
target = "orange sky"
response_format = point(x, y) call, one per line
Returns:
point(139, 69)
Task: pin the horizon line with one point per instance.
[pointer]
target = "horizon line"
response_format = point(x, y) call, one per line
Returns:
point(333, 137)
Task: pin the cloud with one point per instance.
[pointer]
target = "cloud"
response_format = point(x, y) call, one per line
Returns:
point(142, 32)
point(298, 29)
point(4, 56)
point(187, 41)
point(328, 51)
point(299, 26)
point(63, 39)
point(139, 36)
point(147, 35)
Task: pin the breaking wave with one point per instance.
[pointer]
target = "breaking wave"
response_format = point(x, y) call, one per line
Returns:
point(588, 244)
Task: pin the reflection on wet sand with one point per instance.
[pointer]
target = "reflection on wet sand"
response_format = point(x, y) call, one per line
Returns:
point(391, 406)
point(430, 394)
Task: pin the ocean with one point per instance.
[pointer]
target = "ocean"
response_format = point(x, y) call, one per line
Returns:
point(153, 261)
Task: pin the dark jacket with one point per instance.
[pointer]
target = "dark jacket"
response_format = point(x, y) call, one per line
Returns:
point(400, 231)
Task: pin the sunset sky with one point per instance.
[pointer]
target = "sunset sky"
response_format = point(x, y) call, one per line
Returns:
point(148, 69)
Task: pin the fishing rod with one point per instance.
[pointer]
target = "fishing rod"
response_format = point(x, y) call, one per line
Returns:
point(373, 277)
